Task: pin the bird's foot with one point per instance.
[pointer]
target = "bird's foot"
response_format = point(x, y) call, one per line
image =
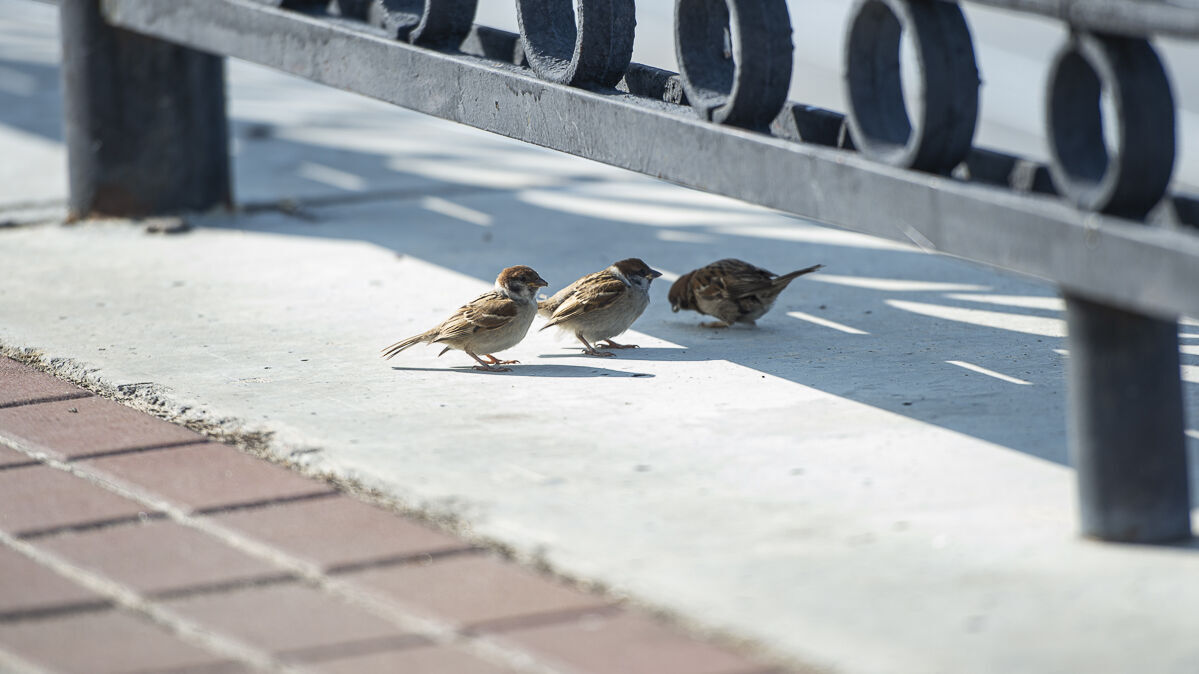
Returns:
point(601, 354)
point(492, 360)
point(609, 344)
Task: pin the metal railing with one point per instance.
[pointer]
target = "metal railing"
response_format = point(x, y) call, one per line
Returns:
point(147, 133)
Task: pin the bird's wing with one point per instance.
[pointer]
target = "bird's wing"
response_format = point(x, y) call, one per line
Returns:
point(594, 292)
point(487, 312)
point(738, 279)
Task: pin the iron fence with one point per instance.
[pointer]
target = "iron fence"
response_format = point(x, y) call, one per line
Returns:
point(147, 133)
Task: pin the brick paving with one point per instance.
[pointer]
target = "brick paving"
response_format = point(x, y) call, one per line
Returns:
point(128, 544)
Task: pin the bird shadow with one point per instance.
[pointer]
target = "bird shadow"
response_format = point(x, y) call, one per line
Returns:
point(641, 353)
point(533, 370)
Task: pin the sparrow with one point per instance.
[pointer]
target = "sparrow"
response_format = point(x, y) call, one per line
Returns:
point(493, 321)
point(601, 305)
point(731, 290)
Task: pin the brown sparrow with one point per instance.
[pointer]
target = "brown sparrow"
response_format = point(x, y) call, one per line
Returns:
point(601, 305)
point(491, 322)
point(731, 290)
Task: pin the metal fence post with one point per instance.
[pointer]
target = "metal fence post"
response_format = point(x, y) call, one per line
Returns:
point(1127, 438)
point(145, 123)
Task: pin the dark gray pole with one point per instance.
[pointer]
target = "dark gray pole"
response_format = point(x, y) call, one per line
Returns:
point(145, 122)
point(1127, 427)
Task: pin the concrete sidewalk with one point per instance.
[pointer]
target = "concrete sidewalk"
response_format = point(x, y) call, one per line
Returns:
point(872, 481)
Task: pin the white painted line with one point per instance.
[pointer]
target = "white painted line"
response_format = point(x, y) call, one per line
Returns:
point(680, 236)
point(1032, 325)
point(331, 177)
point(1193, 434)
point(826, 323)
point(667, 276)
point(458, 211)
point(1190, 374)
point(1021, 301)
point(636, 212)
point(893, 285)
point(990, 373)
point(1061, 352)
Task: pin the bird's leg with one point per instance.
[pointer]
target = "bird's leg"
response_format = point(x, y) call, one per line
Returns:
point(713, 324)
point(613, 345)
point(590, 350)
point(484, 366)
point(495, 361)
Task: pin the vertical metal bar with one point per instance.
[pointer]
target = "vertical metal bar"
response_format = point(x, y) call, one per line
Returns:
point(145, 121)
point(1127, 424)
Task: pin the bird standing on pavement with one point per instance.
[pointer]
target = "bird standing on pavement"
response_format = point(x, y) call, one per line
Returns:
point(601, 305)
point(731, 290)
point(494, 321)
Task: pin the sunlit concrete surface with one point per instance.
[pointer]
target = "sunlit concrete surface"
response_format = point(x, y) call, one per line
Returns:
point(873, 481)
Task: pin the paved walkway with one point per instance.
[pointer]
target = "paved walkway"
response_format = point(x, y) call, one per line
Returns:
point(130, 544)
point(874, 481)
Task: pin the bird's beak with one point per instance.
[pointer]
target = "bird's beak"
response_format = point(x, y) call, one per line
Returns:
point(654, 273)
point(540, 283)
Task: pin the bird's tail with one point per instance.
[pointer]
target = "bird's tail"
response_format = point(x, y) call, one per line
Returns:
point(783, 280)
point(399, 346)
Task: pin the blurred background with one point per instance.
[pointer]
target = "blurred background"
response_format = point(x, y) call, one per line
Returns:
point(1013, 50)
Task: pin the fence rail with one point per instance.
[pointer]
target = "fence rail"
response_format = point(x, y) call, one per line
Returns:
point(1097, 221)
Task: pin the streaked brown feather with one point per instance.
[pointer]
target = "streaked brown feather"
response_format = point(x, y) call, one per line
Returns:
point(590, 293)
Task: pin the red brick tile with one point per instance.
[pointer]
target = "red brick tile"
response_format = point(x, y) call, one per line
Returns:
point(210, 475)
point(104, 641)
point(11, 457)
point(339, 530)
point(96, 425)
point(40, 497)
point(284, 617)
point(627, 643)
point(22, 385)
point(27, 586)
point(157, 556)
point(418, 660)
point(474, 589)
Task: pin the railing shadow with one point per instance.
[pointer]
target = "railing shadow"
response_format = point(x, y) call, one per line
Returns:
point(933, 339)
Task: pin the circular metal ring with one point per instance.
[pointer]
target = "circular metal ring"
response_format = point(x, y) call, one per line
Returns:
point(594, 49)
point(734, 58)
point(1129, 179)
point(947, 91)
point(429, 23)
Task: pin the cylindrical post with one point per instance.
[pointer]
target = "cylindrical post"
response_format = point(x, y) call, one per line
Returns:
point(1127, 424)
point(145, 121)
